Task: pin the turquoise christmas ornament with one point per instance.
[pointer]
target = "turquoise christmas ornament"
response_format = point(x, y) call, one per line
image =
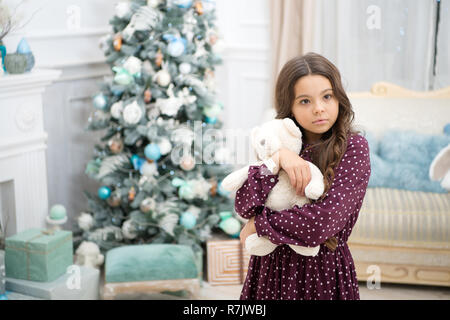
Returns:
point(177, 182)
point(213, 111)
point(58, 212)
point(229, 224)
point(152, 152)
point(137, 161)
point(100, 101)
point(211, 120)
point(122, 76)
point(186, 191)
point(188, 220)
point(104, 193)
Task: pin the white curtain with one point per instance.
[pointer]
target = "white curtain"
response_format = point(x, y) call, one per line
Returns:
point(377, 40)
point(442, 78)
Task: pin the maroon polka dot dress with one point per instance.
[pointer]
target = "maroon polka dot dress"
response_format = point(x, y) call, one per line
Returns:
point(284, 274)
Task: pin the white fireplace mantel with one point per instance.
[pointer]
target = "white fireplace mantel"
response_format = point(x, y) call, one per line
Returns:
point(23, 144)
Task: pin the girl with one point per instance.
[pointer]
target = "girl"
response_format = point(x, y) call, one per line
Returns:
point(310, 92)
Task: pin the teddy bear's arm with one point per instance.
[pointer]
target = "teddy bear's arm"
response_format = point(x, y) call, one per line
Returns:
point(236, 179)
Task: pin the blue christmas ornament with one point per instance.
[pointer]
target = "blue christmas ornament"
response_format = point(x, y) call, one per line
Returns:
point(152, 152)
point(188, 220)
point(116, 91)
point(137, 162)
point(183, 3)
point(104, 193)
point(177, 47)
point(100, 101)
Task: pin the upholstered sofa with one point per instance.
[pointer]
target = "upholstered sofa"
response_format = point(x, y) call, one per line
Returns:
point(401, 236)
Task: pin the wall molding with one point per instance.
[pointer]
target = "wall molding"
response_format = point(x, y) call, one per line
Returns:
point(53, 34)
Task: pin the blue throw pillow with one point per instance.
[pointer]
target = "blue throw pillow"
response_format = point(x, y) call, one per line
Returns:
point(402, 159)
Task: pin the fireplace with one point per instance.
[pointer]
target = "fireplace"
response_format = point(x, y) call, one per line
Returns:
point(23, 144)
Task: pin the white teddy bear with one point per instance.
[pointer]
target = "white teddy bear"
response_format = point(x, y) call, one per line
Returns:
point(266, 140)
point(88, 254)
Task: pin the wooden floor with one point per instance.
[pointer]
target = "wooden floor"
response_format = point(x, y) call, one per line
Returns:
point(387, 291)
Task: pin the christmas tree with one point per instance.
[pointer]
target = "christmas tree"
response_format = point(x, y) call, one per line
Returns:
point(162, 157)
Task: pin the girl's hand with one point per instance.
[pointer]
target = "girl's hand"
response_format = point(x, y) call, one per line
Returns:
point(247, 230)
point(297, 169)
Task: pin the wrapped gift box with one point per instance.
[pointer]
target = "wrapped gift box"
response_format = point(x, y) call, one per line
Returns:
point(78, 283)
point(2, 272)
point(38, 254)
point(227, 261)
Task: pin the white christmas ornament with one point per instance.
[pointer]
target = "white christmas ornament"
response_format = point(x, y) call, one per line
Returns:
point(164, 146)
point(85, 221)
point(133, 65)
point(123, 9)
point(163, 78)
point(132, 113)
point(185, 68)
point(128, 230)
point(117, 109)
point(153, 3)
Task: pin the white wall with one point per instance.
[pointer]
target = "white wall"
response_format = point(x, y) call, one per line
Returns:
point(64, 35)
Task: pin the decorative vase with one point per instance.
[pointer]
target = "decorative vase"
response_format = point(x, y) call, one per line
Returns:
point(15, 63)
point(24, 49)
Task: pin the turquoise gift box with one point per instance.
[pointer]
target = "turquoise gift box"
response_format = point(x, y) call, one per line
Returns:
point(38, 254)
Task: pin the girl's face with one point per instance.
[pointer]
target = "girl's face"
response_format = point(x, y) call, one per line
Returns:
point(314, 100)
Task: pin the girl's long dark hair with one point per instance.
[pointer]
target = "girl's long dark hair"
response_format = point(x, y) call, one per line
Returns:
point(329, 150)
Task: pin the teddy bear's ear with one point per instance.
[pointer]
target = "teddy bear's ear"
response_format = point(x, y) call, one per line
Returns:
point(292, 128)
